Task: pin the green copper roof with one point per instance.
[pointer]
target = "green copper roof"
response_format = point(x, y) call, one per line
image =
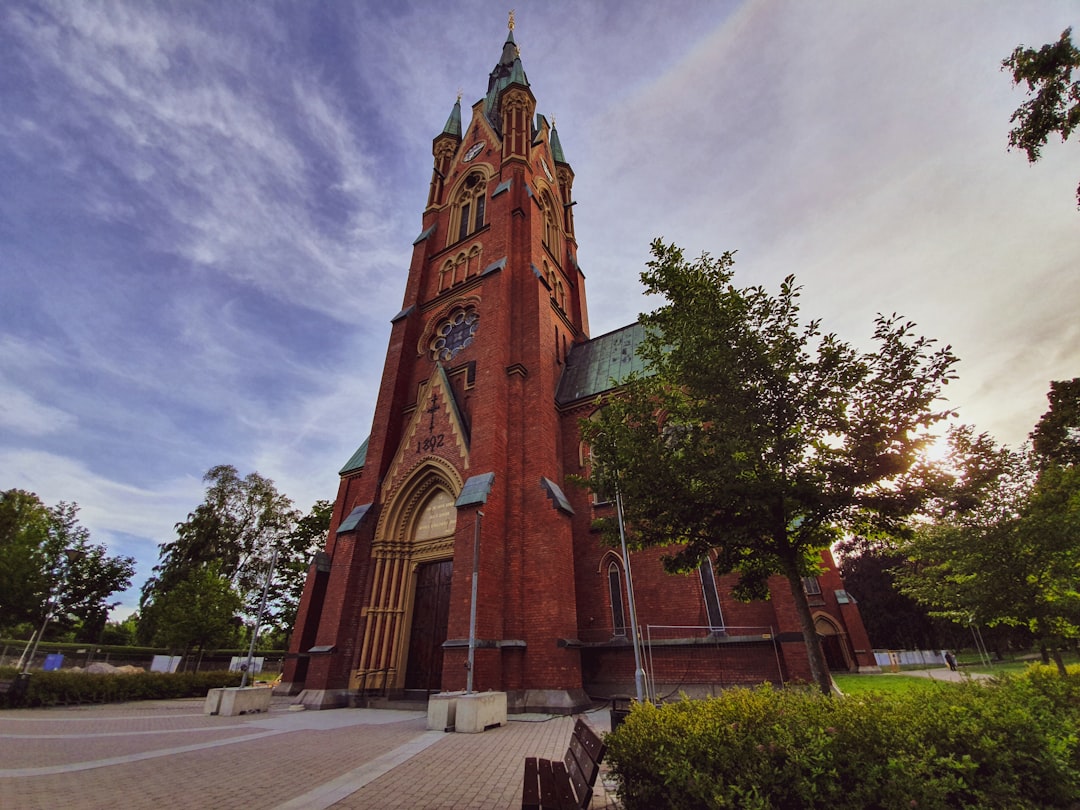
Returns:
point(353, 519)
point(601, 364)
point(453, 123)
point(356, 462)
point(476, 490)
point(555, 494)
point(507, 72)
point(556, 147)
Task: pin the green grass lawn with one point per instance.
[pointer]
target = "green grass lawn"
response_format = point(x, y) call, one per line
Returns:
point(885, 682)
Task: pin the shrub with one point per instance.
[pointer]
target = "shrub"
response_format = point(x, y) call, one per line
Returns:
point(66, 688)
point(1008, 744)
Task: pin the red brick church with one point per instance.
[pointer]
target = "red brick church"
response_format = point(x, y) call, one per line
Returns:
point(489, 369)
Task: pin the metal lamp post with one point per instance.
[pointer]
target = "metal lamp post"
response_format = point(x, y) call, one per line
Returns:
point(258, 619)
point(639, 672)
point(472, 607)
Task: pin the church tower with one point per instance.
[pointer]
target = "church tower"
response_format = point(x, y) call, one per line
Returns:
point(489, 370)
point(466, 439)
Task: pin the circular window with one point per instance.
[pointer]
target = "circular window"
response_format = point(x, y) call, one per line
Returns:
point(454, 334)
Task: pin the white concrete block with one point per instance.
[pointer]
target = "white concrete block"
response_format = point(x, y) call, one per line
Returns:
point(441, 714)
point(232, 700)
point(479, 711)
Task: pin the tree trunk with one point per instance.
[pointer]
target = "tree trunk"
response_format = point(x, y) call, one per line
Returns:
point(819, 671)
point(1058, 661)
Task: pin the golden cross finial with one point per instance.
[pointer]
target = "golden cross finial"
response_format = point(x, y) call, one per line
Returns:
point(510, 24)
point(459, 92)
point(553, 122)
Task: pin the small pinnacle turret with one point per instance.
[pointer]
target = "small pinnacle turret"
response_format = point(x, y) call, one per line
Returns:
point(453, 123)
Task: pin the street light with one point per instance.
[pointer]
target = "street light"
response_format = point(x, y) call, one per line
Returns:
point(258, 618)
point(639, 672)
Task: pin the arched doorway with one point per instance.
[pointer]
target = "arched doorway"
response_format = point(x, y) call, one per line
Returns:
point(431, 593)
point(409, 604)
point(833, 644)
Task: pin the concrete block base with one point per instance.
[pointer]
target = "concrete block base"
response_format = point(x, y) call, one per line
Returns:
point(549, 701)
point(441, 711)
point(323, 698)
point(479, 711)
point(233, 700)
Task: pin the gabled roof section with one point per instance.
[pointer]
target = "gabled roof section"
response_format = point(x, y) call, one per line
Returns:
point(356, 462)
point(601, 364)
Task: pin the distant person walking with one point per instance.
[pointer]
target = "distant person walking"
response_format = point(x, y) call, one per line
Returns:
point(950, 659)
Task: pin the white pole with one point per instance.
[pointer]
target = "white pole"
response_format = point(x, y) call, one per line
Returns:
point(472, 606)
point(258, 619)
point(639, 673)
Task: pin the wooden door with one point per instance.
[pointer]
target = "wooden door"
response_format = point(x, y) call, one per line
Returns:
point(431, 612)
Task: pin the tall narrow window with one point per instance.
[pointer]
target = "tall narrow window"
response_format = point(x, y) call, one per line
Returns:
point(618, 617)
point(469, 207)
point(479, 212)
point(712, 596)
point(464, 230)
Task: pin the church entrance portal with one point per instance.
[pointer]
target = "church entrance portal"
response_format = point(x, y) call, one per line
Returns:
point(431, 611)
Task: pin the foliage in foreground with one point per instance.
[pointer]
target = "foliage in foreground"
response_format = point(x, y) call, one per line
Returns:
point(66, 688)
point(755, 439)
point(1011, 743)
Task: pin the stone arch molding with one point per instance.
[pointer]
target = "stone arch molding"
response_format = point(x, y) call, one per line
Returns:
point(398, 521)
point(396, 556)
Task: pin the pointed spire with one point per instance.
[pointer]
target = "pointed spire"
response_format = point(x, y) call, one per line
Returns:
point(517, 73)
point(453, 123)
point(508, 71)
point(556, 147)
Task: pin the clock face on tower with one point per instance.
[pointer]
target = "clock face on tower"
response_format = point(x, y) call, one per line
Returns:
point(547, 171)
point(474, 150)
point(454, 334)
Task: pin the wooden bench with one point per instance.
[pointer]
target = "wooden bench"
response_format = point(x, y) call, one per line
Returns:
point(565, 784)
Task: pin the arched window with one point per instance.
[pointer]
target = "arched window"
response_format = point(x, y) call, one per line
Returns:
point(446, 275)
point(551, 226)
point(618, 615)
point(469, 207)
point(712, 596)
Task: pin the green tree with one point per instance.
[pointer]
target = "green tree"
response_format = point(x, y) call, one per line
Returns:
point(90, 575)
point(306, 537)
point(24, 534)
point(121, 633)
point(1000, 547)
point(198, 612)
point(892, 619)
point(1054, 106)
point(48, 564)
point(1056, 437)
point(238, 525)
point(755, 437)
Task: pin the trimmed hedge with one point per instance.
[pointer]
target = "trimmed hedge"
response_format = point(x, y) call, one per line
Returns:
point(65, 688)
point(1010, 743)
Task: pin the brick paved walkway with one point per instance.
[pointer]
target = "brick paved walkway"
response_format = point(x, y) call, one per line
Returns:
point(169, 754)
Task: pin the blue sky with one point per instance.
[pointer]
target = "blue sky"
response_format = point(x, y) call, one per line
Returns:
point(207, 209)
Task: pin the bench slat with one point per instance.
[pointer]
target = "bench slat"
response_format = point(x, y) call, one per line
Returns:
point(548, 794)
point(565, 784)
point(564, 791)
point(530, 794)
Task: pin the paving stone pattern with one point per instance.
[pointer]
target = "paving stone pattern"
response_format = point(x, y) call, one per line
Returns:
point(169, 754)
